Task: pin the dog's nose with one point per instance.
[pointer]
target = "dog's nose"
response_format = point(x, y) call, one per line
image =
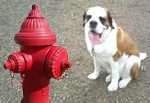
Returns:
point(93, 24)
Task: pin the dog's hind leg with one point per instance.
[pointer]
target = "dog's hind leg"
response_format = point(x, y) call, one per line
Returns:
point(96, 71)
point(130, 71)
point(124, 82)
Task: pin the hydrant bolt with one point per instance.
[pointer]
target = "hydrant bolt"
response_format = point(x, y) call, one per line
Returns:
point(66, 64)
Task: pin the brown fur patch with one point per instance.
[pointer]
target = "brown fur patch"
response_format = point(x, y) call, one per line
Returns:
point(134, 71)
point(125, 45)
point(106, 23)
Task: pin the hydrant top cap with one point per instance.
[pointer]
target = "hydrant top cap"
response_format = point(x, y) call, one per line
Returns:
point(35, 12)
point(35, 30)
point(35, 6)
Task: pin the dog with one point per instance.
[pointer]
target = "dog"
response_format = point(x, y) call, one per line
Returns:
point(111, 48)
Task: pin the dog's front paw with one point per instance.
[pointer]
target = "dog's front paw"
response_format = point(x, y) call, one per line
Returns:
point(113, 86)
point(93, 76)
point(108, 78)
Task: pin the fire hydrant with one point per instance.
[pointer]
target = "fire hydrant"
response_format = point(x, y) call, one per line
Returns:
point(39, 59)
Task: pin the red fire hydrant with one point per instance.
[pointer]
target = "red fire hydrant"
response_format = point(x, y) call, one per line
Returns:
point(39, 58)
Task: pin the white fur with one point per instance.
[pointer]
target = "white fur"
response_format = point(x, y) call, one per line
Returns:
point(103, 53)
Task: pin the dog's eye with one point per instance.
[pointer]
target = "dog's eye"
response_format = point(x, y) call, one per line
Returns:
point(102, 20)
point(88, 17)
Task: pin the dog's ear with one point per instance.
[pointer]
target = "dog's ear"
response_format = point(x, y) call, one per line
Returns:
point(84, 16)
point(110, 20)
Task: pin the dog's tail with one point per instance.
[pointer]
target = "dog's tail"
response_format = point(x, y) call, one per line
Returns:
point(142, 56)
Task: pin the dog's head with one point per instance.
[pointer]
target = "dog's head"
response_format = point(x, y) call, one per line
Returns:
point(97, 20)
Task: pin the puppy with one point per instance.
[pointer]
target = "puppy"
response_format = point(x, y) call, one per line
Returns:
point(112, 49)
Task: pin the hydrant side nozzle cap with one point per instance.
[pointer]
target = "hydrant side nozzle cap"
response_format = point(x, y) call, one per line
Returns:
point(7, 65)
point(57, 62)
point(35, 30)
point(67, 64)
point(10, 65)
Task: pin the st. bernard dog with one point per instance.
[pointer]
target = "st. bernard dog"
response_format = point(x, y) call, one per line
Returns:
point(112, 49)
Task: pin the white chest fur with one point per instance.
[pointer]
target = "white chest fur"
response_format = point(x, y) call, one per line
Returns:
point(108, 45)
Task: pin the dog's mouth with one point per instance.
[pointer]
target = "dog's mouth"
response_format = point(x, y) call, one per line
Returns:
point(94, 37)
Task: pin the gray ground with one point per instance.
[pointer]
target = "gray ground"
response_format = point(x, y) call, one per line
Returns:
point(65, 17)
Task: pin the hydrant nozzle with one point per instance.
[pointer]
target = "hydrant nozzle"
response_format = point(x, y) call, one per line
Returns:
point(7, 65)
point(18, 62)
